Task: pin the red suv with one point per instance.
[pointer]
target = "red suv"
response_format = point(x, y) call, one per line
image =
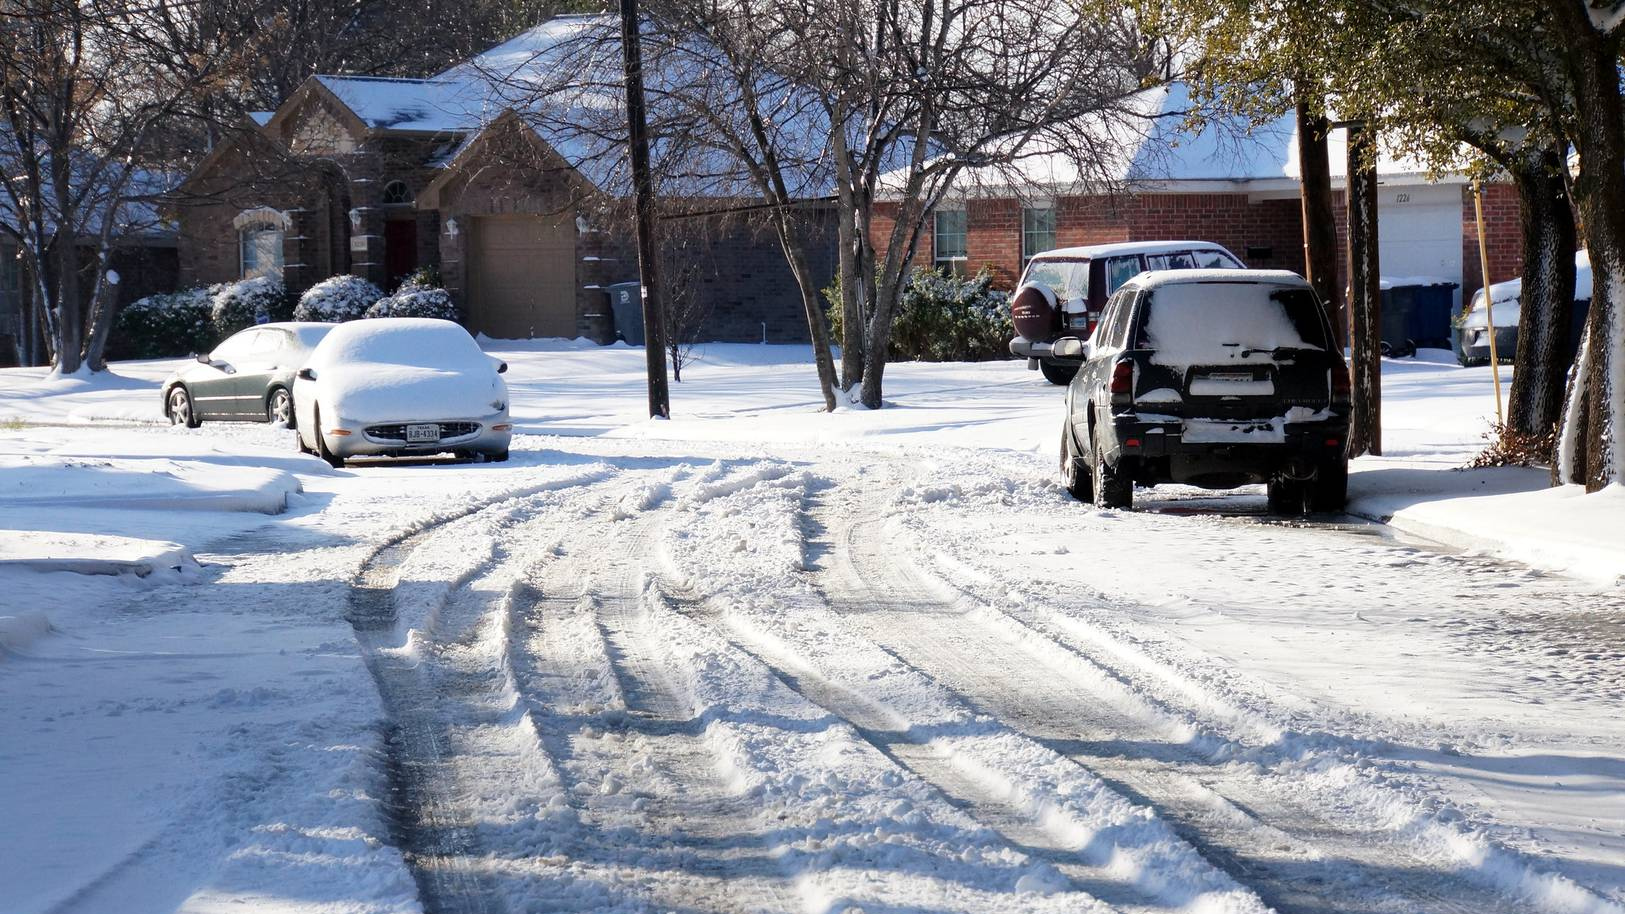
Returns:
point(1062, 292)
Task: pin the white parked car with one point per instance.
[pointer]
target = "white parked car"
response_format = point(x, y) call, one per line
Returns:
point(401, 386)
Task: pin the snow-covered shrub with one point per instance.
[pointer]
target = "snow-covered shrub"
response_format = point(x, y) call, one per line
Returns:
point(944, 318)
point(237, 305)
point(167, 324)
point(418, 296)
point(336, 299)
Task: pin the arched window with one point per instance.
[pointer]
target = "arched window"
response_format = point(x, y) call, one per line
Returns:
point(396, 192)
point(261, 247)
point(259, 241)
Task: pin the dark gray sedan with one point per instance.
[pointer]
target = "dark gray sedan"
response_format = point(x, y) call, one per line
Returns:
point(247, 378)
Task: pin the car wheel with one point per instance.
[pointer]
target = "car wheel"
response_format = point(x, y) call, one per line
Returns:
point(1056, 373)
point(1329, 492)
point(333, 460)
point(1112, 489)
point(497, 456)
point(1287, 496)
point(279, 408)
point(1078, 484)
point(181, 411)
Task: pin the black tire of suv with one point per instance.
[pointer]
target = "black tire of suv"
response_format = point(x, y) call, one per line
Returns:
point(1077, 484)
point(1288, 497)
point(1111, 489)
point(1056, 373)
point(1329, 492)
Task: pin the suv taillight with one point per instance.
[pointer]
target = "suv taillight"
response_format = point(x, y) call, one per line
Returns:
point(1342, 387)
point(1123, 377)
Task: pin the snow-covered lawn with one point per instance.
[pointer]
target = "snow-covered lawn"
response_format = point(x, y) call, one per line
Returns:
point(758, 657)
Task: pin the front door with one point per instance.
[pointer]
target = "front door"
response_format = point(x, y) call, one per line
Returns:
point(400, 250)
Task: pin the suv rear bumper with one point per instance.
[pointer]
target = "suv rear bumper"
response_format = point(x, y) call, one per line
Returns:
point(1028, 349)
point(1156, 451)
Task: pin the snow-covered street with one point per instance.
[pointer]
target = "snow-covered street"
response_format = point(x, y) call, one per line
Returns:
point(760, 659)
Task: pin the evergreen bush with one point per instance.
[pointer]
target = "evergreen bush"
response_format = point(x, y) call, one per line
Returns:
point(943, 318)
point(337, 299)
point(164, 325)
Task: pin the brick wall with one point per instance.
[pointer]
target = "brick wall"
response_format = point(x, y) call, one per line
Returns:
point(1272, 228)
point(1503, 237)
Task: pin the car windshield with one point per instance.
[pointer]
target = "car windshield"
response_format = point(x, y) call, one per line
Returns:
point(1198, 323)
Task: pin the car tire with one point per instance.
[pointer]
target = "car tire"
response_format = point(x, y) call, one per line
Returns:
point(497, 456)
point(1079, 485)
point(181, 409)
point(333, 460)
point(279, 408)
point(1287, 497)
point(1056, 373)
point(1112, 489)
point(1329, 491)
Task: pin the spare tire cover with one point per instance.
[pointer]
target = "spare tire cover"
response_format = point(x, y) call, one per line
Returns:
point(1033, 310)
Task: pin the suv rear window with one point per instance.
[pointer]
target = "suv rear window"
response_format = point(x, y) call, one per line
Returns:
point(1068, 279)
point(1198, 323)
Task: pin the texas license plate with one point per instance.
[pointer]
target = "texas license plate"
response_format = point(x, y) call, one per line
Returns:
point(415, 433)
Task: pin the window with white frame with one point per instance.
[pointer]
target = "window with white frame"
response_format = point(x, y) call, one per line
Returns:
point(948, 241)
point(261, 249)
point(1037, 231)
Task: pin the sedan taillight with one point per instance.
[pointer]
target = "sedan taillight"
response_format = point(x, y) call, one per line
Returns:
point(1123, 377)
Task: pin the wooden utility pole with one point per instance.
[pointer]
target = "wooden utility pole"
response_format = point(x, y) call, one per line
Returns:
point(1319, 219)
point(1489, 300)
point(637, 134)
point(1365, 292)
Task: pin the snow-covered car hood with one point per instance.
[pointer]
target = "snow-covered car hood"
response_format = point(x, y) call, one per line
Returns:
point(377, 392)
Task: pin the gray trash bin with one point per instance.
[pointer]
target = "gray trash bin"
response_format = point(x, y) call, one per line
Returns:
point(626, 302)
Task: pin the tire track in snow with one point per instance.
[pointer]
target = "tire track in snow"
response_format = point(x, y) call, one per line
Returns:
point(1270, 835)
point(429, 818)
point(1090, 840)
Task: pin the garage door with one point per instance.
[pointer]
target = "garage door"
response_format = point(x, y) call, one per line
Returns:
point(522, 277)
point(1419, 232)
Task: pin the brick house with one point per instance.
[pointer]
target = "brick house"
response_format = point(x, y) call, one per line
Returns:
point(379, 177)
point(1225, 184)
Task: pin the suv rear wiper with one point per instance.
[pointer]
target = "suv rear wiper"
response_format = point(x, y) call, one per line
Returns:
point(1278, 352)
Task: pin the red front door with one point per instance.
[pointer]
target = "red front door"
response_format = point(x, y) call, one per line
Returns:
point(400, 249)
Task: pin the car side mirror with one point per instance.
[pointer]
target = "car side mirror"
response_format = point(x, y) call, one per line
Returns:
point(1069, 347)
point(202, 358)
point(306, 374)
point(502, 368)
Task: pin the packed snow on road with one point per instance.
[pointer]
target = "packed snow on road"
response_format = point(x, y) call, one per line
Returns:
point(761, 658)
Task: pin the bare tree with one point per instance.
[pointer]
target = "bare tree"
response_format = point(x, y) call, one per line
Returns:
point(89, 92)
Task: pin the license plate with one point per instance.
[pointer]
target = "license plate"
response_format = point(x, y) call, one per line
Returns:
point(423, 432)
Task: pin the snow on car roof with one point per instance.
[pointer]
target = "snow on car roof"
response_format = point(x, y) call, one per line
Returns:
point(1131, 247)
point(426, 341)
point(1153, 279)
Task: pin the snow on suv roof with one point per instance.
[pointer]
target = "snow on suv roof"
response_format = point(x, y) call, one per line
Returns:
point(1131, 247)
point(1152, 279)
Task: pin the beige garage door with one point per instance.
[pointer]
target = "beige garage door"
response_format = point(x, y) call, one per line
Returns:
point(522, 277)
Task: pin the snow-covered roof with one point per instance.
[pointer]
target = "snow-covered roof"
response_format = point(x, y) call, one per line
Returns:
point(1146, 144)
point(1129, 247)
point(1156, 279)
point(415, 105)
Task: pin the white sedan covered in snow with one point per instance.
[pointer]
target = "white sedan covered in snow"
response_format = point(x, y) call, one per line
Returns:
point(401, 386)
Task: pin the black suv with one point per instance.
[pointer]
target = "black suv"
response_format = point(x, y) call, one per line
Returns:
point(1209, 378)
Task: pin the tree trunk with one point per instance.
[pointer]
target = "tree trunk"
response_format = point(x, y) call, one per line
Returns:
point(817, 327)
point(1365, 294)
point(850, 267)
point(1319, 219)
point(1547, 298)
point(70, 324)
point(1594, 416)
